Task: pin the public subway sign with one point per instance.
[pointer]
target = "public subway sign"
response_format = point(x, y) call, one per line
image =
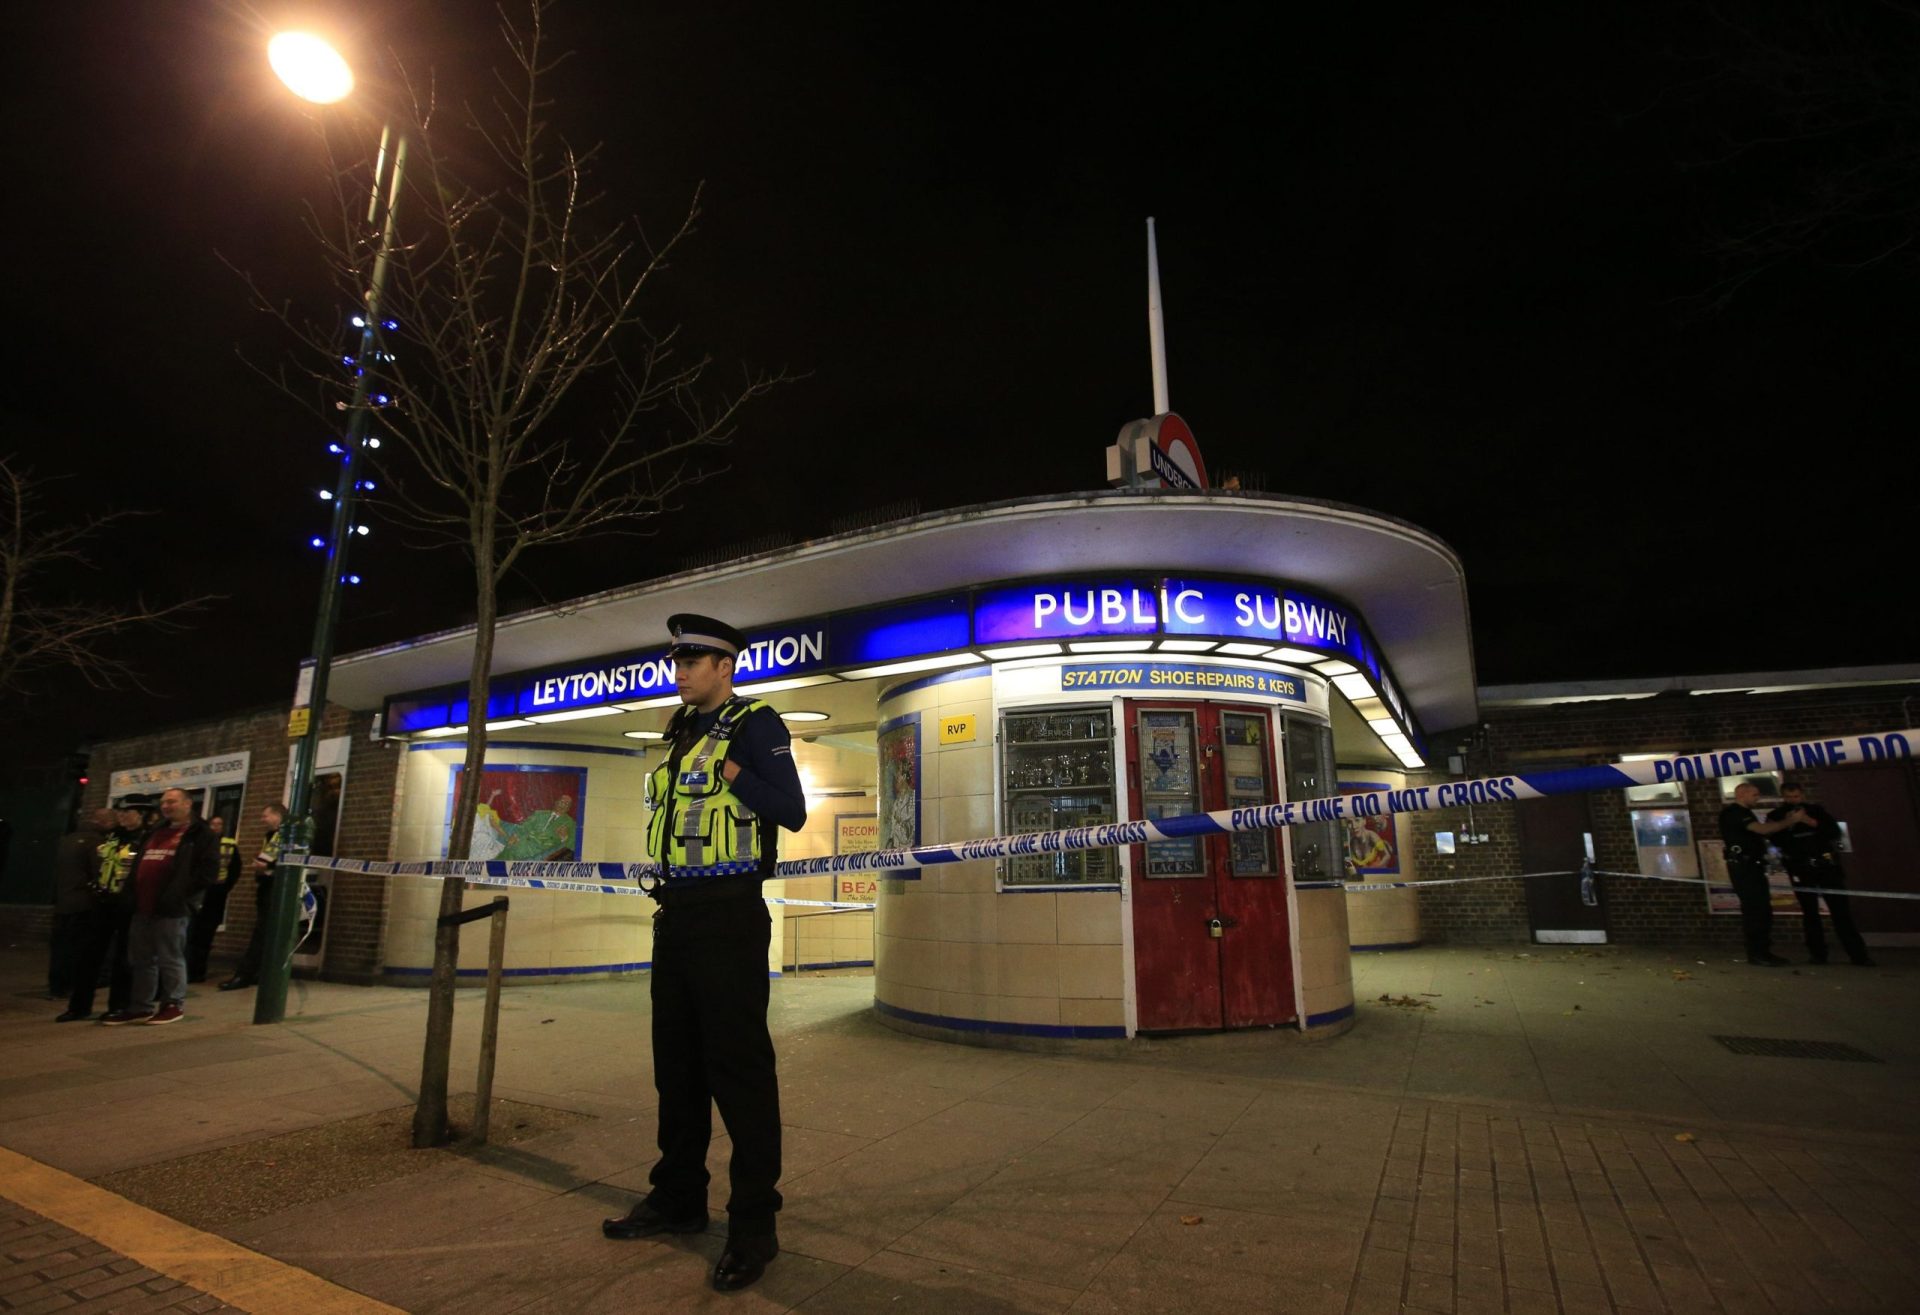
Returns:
point(1222, 609)
point(990, 617)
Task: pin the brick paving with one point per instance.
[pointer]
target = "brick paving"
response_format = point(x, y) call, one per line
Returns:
point(1489, 1212)
point(1554, 1132)
point(47, 1268)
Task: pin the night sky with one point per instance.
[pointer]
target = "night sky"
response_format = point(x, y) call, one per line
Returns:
point(1469, 267)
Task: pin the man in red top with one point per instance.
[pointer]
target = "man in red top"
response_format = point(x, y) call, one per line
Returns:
point(173, 869)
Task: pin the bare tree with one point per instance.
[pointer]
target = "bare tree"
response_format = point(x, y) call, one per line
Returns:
point(1807, 120)
point(525, 397)
point(43, 629)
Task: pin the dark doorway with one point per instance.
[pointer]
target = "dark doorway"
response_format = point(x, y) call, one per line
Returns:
point(1554, 836)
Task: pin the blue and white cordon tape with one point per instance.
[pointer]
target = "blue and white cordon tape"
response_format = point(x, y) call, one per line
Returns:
point(636, 878)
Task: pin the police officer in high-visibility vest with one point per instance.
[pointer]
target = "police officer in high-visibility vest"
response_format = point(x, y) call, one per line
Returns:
point(727, 783)
point(212, 913)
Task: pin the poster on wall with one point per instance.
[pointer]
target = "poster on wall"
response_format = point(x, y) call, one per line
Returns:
point(1720, 896)
point(1373, 843)
point(1663, 842)
point(856, 833)
point(898, 744)
point(523, 812)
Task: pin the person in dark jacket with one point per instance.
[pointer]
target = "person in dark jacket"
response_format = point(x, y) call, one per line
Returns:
point(73, 901)
point(174, 868)
point(266, 866)
point(1809, 848)
point(1745, 836)
point(212, 912)
point(103, 943)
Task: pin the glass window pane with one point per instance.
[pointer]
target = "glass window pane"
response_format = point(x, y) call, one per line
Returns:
point(1244, 747)
point(1057, 773)
point(1319, 850)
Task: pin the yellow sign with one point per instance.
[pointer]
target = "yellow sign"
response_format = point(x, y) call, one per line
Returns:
point(958, 730)
point(297, 723)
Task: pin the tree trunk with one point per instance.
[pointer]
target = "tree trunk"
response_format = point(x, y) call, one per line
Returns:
point(430, 1113)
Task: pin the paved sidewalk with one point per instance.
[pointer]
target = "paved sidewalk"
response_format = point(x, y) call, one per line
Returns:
point(44, 1267)
point(1528, 1130)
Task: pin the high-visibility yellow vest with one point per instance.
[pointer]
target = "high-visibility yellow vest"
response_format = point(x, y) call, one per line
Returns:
point(698, 826)
point(115, 859)
point(229, 852)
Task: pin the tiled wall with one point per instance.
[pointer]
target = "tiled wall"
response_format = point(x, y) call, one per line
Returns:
point(557, 934)
point(947, 946)
point(1384, 918)
point(1326, 966)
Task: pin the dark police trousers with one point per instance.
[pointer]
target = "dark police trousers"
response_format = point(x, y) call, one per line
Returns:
point(1756, 905)
point(103, 944)
point(711, 1047)
point(1818, 873)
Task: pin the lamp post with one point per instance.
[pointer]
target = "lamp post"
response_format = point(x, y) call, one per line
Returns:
point(314, 71)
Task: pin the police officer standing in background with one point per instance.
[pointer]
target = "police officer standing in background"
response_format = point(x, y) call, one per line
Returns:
point(1744, 835)
point(212, 913)
point(729, 780)
point(1808, 848)
point(266, 867)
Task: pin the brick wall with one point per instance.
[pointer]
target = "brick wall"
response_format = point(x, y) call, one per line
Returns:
point(357, 917)
point(1541, 738)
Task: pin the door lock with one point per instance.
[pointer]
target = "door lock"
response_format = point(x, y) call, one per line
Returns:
point(1216, 928)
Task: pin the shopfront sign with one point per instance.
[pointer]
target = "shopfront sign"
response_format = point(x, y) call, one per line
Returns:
point(789, 651)
point(1181, 678)
point(1127, 607)
point(192, 774)
point(1020, 613)
point(1286, 617)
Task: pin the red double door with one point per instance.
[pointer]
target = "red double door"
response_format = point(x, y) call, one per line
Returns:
point(1211, 942)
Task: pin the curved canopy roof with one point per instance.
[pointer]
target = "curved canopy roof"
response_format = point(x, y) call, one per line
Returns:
point(1408, 584)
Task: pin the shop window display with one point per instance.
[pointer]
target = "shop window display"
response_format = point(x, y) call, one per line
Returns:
point(1058, 766)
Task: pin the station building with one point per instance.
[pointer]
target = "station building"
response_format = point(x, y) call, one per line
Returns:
point(1033, 665)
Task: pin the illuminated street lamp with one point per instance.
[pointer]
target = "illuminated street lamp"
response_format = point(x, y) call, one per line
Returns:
point(314, 71)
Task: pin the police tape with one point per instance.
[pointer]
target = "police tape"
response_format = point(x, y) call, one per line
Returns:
point(902, 864)
point(1708, 882)
point(542, 883)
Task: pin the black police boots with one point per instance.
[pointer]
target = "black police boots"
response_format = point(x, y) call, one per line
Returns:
point(744, 1261)
point(647, 1220)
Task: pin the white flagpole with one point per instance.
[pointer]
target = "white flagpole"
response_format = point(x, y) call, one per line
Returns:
point(1156, 329)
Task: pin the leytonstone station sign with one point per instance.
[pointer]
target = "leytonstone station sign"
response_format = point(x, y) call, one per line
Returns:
point(1252, 620)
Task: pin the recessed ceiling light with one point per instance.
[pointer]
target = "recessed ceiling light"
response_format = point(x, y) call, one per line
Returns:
point(1019, 651)
point(915, 664)
point(645, 735)
point(577, 714)
point(805, 716)
point(788, 682)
